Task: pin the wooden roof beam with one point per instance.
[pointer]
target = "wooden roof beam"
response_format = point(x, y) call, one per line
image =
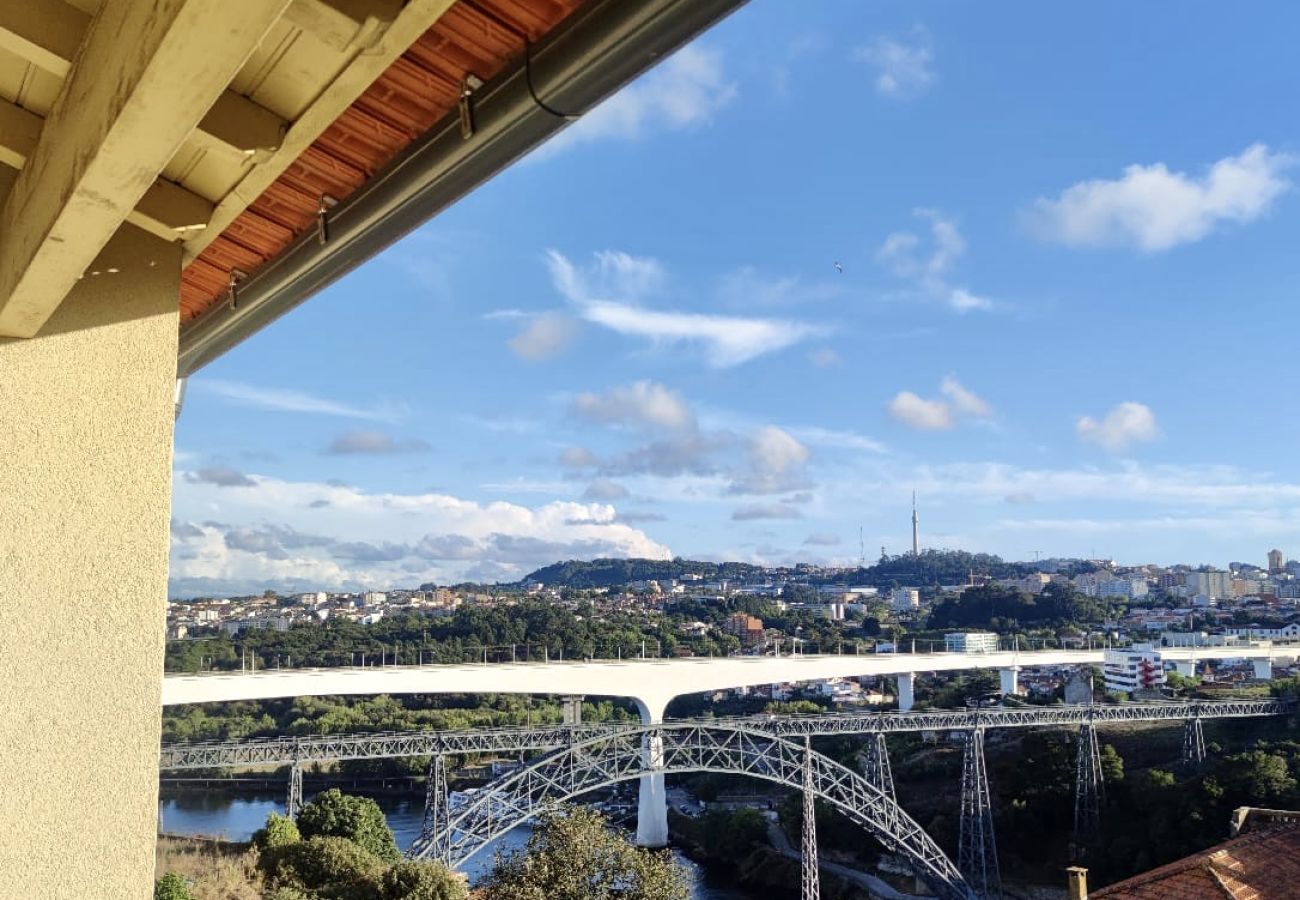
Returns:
point(122, 113)
point(167, 210)
point(47, 34)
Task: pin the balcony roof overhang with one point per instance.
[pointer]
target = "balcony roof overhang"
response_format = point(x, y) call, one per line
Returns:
point(304, 137)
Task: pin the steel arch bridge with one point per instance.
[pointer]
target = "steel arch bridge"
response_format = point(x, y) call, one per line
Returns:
point(628, 754)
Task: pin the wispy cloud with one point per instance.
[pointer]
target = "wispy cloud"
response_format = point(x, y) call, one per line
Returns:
point(1126, 424)
point(1153, 209)
point(685, 91)
point(758, 511)
point(288, 400)
point(546, 336)
point(363, 442)
point(902, 65)
point(829, 437)
point(643, 403)
point(727, 340)
point(902, 254)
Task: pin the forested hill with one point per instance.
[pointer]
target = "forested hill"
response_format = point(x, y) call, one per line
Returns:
point(931, 567)
point(596, 573)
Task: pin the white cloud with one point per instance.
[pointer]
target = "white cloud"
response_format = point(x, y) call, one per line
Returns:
point(728, 340)
point(964, 401)
point(1126, 424)
point(919, 413)
point(603, 490)
point(294, 535)
point(685, 91)
point(776, 461)
point(903, 66)
point(825, 358)
point(902, 254)
point(362, 441)
point(641, 403)
point(938, 415)
point(822, 539)
point(546, 336)
point(1155, 209)
point(284, 400)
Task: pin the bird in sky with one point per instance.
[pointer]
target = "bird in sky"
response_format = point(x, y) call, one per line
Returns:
point(839, 268)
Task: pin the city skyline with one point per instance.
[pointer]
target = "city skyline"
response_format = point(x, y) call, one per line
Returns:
point(1016, 306)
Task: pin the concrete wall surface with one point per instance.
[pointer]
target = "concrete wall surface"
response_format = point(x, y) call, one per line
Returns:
point(86, 415)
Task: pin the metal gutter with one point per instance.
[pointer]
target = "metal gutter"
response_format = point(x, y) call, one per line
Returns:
point(602, 46)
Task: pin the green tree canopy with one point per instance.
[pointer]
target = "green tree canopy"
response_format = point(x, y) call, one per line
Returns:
point(421, 881)
point(574, 855)
point(359, 819)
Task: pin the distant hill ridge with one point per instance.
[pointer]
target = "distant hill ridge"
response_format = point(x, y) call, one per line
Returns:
point(930, 567)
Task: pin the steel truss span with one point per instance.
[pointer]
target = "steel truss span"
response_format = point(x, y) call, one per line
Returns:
point(679, 748)
point(279, 751)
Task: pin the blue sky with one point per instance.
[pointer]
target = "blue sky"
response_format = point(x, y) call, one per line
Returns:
point(1065, 317)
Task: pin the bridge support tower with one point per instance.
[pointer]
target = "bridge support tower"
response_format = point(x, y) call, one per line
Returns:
point(1185, 668)
point(875, 764)
point(811, 872)
point(1193, 743)
point(1263, 669)
point(906, 691)
point(437, 812)
point(1089, 788)
point(1010, 678)
point(977, 848)
point(652, 807)
point(572, 710)
point(293, 803)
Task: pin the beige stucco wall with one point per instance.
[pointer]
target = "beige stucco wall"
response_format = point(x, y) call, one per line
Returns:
point(86, 412)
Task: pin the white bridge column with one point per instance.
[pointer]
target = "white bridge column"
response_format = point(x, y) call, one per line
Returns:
point(1186, 669)
point(1263, 669)
point(1010, 680)
point(906, 688)
point(652, 810)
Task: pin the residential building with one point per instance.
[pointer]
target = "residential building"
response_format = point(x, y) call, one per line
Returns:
point(971, 642)
point(1135, 668)
point(1289, 632)
point(1276, 562)
point(906, 599)
point(373, 598)
point(1213, 584)
point(1128, 588)
point(746, 627)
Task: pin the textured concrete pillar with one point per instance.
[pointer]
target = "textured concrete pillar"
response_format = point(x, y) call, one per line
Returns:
point(1187, 669)
point(86, 412)
point(652, 807)
point(906, 691)
point(1263, 669)
point(1010, 677)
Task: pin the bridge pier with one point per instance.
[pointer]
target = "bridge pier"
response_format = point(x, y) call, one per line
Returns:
point(1089, 787)
point(1263, 669)
point(875, 764)
point(1193, 743)
point(652, 806)
point(293, 803)
point(1187, 668)
point(437, 812)
point(977, 847)
point(1010, 677)
point(906, 691)
point(572, 710)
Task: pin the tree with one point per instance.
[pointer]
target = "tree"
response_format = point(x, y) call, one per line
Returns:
point(359, 819)
point(279, 831)
point(333, 866)
point(573, 855)
point(421, 881)
point(172, 887)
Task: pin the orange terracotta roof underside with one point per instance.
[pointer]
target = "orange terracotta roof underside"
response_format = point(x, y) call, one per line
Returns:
point(1260, 865)
point(410, 97)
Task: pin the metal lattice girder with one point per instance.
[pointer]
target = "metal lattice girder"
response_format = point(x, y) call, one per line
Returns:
point(1089, 787)
point(437, 809)
point(977, 855)
point(875, 764)
point(618, 757)
point(227, 754)
point(1193, 743)
point(812, 889)
point(293, 804)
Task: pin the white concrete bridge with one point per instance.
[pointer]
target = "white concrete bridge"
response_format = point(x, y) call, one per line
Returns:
point(653, 683)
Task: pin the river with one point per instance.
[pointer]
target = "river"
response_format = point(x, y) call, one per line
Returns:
point(237, 816)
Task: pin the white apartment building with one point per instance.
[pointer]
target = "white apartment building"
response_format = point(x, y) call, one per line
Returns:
point(373, 598)
point(906, 599)
point(1289, 632)
point(971, 642)
point(1135, 668)
point(1215, 585)
point(1128, 588)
